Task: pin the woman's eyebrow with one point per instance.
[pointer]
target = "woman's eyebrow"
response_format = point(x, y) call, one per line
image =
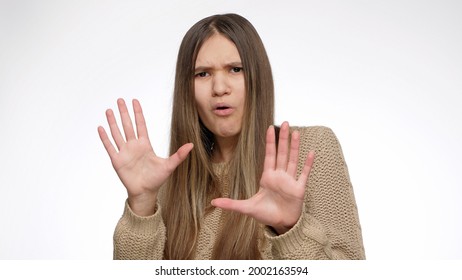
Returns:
point(235, 64)
point(201, 68)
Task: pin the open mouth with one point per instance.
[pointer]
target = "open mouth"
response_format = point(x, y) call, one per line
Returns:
point(223, 110)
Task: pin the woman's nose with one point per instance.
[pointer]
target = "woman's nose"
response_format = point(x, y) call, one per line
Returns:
point(220, 85)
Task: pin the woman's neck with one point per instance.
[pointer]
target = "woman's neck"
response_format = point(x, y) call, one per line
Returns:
point(223, 149)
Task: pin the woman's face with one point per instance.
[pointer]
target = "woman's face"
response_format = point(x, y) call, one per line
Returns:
point(219, 87)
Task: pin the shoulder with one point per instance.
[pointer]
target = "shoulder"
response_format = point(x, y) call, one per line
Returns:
point(328, 151)
point(316, 137)
point(312, 130)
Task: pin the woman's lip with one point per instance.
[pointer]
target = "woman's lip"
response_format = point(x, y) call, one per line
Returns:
point(221, 105)
point(223, 112)
point(222, 109)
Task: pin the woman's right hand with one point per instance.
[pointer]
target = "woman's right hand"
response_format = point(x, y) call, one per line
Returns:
point(141, 171)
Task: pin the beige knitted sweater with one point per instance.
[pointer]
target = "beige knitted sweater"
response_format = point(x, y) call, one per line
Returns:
point(328, 227)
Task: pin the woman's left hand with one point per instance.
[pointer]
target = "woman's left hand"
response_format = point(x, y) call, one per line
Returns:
point(279, 201)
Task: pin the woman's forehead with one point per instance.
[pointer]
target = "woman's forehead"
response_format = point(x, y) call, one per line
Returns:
point(217, 50)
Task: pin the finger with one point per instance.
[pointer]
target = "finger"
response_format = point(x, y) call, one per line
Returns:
point(240, 206)
point(270, 150)
point(141, 128)
point(283, 146)
point(115, 132)
point(293, 157)
point(180, 155)
point(126, 120)
point(306, 168)
point(106, 142)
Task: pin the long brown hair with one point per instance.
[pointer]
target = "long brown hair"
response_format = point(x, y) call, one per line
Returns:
point(193, 183)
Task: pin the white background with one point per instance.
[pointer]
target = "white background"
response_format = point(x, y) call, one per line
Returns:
point(386, 76)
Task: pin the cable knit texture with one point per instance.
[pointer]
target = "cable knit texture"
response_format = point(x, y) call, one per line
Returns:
point(328, 227)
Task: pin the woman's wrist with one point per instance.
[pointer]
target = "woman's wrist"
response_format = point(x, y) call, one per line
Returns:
point(143, 205)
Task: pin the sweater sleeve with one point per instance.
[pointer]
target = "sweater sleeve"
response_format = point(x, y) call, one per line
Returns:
point(138, 238)
point(329, 226)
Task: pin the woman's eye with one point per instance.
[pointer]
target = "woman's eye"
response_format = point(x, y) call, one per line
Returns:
point(236, 69)
point(201, 74)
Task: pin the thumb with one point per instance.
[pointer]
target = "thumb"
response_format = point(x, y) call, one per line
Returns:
point(240, 206)
point(180, 155)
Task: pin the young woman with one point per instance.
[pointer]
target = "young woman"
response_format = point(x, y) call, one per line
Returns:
point(235, 187)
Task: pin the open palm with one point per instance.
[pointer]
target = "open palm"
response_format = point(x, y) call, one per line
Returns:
point(279, 201)
point(141, 171)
